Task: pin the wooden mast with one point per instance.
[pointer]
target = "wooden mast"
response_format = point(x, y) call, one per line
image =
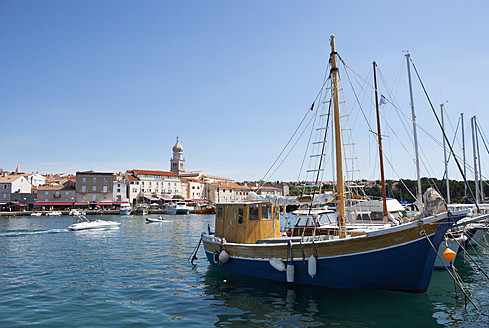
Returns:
point(381, 161)
point(340, 183)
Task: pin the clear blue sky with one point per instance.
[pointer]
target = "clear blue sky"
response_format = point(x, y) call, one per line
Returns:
point(109, 85)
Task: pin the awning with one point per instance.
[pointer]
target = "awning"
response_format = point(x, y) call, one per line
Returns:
point(104, 203)
point(164, 197)
point(151, 198)
point(52, 203)
point(18, 204)
point(81, 203)
point(120, 203)
point(199, 200)
point(3, 203)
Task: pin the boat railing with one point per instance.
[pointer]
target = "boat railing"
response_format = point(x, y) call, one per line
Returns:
point(82, 218)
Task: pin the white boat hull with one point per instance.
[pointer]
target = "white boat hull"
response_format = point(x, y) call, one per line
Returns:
point(97, 224)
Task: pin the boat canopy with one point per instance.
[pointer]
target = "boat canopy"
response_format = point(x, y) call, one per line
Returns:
point(324, 198)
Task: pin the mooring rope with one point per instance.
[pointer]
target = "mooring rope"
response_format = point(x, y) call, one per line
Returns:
point(193, 255)
point(451, 274)
point(470, 257)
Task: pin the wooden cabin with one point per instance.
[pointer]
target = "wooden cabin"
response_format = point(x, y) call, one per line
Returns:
point(247, 222)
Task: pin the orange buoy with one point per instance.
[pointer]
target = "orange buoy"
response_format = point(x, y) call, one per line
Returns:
point(449, 254)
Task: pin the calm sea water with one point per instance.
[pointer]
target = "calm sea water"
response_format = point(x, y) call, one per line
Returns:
point(138, 275)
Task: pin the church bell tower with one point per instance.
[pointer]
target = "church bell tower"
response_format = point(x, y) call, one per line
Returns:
point(177, 163)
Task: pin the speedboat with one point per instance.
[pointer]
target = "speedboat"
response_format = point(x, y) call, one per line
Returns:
point(83, 224)
point(36, 214)
point(158, 219)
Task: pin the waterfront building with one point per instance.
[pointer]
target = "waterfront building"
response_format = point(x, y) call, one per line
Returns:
point(13, 183)
point(56, 196)
point(120, 191)
point(35, 179)
point(226, 192)
point(94, 188)
point(196, 189)
point(146, 185)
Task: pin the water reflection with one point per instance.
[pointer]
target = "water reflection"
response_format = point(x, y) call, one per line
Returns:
point(256, 302)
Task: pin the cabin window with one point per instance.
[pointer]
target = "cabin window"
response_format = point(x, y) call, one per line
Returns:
point(275, 212)
point(219, 211)
point(266, 211)
point(253, 213)
point(240, 215)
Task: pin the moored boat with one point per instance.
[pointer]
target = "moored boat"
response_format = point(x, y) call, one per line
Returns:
point(399, 256)
point(177, 208)
point(206, 210)
point(125, 209)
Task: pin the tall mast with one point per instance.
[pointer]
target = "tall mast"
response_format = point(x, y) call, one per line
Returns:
point(381, 161)
point(340, 183)
point(481, 185)
point(476, 173)
point(445, 155)
point(463, 151)
point(413, 115)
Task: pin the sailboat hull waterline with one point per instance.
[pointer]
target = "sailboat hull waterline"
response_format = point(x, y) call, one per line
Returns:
point(398, 258)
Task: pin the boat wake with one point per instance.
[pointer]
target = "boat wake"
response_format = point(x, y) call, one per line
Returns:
point(25, 232)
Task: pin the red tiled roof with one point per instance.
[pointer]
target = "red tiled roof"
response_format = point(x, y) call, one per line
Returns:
point(133, 178)
point(229, 184)
point(194, 180)
point(154, 172)
point(271, 188)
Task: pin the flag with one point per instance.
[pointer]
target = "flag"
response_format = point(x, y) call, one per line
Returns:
point(383, 101)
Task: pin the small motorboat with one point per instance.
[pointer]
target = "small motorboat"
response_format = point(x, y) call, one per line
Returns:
point(158, 219)
point(83, 224)
point(36, 214)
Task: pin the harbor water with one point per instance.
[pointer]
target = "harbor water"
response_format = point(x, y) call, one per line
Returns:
point(138, 275)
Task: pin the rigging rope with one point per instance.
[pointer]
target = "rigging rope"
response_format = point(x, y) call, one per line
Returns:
point(445, 136)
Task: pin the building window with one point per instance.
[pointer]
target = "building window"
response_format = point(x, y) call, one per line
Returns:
point(84, 179)
point(84, 189)
point(105, 179)
point(46, 192)
point(118, 190)
point(104, 189)
point(5, 187)
point(66, 193)
point(94, 188)
point(94, 197)
point(94, 179)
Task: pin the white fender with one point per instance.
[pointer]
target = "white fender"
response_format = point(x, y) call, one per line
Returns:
point(223, 257)
point(290, 272)
point(277, 264)
point(312, 266)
